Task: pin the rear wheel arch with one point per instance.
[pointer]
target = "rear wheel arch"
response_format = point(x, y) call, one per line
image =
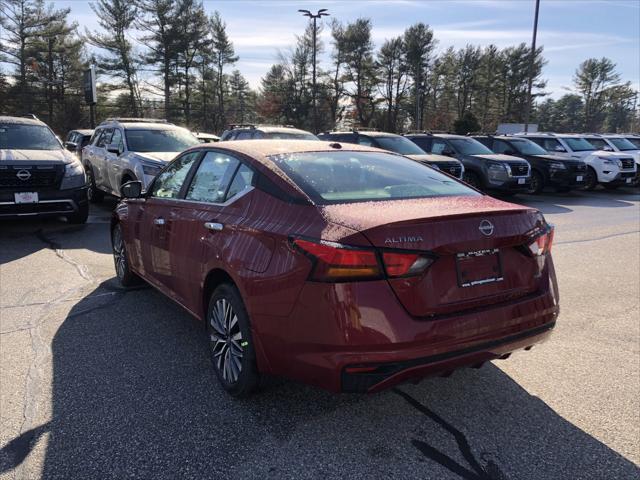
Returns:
point(213, 280)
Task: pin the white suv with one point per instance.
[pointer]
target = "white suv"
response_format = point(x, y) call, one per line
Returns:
point(610, 169)
point(126, 149)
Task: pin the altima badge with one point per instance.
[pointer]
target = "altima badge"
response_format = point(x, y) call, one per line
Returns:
point(486, 228)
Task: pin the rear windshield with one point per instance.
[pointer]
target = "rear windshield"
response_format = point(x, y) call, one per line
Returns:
point(579, 144)
point(469, 146)
point(527, 147)
point(27, 137)
point(170, 140)
point(623, 144)
point(289, 136)
point(342, 177)
point(399, 145)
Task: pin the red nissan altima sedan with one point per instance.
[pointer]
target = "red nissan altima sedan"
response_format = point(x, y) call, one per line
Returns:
point(337, 265)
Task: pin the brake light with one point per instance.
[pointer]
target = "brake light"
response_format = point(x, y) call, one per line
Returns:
point(542, 244)
point(336, 262)
point(399, 264)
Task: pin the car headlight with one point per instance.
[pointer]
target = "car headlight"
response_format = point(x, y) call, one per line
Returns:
point(151, 169)
point(557, 166)
point(73, 176)
point(608, 161)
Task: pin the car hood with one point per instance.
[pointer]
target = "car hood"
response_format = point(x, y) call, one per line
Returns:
point(156, 156)
point(551, 156)
point(23, 155)
point(499, 157)
point(432, 158)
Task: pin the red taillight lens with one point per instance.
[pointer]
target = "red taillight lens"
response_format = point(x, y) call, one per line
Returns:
point(542, 244)
point(335, 262)
point(399, 264)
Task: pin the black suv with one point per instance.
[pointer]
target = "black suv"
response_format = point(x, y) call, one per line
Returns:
point(547, 170)
point(483, 169)
point(37, 175)
point(397, 144)
point(77, 140)
point(253, 132)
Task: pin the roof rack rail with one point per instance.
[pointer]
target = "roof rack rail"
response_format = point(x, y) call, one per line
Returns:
point(364, 129)
point(233, 126)
point(135, 120)
point(414, 132)
point(488, 134)
point(32, 116)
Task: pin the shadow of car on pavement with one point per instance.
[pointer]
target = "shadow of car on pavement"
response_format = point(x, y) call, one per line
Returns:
point(134, 395)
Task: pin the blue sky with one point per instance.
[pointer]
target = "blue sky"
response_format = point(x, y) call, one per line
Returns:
point(570, 30)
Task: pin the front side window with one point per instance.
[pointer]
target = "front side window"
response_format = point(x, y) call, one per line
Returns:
point(342, 177)
point(105, 138)
point(366, 141)
point(438, 146)
point(210, 182)
point(469, 146)
point(600, 144)
point(244, 135)
point(501, 147)
point(423, 142)
point(116, 139)
point(169, 182)
point(27, 137)
point(399, 145)
point(634, 141)
point(160, 140)
point(579, 144)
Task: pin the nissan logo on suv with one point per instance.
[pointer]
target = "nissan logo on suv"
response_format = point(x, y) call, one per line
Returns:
point(486, 228)
point(23, 175)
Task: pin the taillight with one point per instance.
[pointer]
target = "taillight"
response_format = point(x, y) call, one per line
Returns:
point(398, 264)
point(541, 245)
point(337, 262)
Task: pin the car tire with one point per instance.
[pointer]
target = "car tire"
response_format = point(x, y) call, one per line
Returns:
point(230, 342)
point(80, 216)
point(591, 179)
point(94, 195)
point(537, 183)
point(121, 262)
point(472, 179)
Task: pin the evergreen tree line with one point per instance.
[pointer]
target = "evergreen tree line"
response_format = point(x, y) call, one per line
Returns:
point(170, 59)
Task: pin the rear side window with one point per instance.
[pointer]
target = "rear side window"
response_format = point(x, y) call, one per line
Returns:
point(242, 180)
point(342, 177)
point(210, 182)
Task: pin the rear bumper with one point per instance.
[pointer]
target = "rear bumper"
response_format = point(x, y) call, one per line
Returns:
point(358, 338)
point(50, 203)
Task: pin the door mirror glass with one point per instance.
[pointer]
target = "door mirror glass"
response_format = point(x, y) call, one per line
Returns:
point(559, 148)
point(114, 148)
point(132, 189)
point(607, 148)
point(448, 152)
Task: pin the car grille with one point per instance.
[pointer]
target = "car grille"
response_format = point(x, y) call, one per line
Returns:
point(452, 168)
point(519, 169)
point(627, 162)
point(23, 177)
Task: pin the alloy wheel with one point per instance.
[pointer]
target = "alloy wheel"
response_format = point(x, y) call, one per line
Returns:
point(119, 253)
point(226, 340)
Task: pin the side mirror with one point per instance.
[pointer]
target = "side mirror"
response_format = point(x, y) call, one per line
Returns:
point(113, 148)
point(70, 146)
point(448, 152)
point(132, 189)
point(607, 148)
point(559, 148)
point(509, 152)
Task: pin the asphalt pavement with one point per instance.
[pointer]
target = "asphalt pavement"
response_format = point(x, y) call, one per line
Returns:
point(101, 382)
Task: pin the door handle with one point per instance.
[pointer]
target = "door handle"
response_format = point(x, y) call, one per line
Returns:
point(213, 226)
point(158, 221)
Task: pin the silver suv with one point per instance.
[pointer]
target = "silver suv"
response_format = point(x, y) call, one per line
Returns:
point(127, 149)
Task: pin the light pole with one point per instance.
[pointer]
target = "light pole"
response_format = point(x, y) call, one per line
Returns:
point(532, 60)
point(321, 13)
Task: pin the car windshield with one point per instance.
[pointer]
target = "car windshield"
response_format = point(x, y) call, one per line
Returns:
point(623, 144)
point(399, 145)
point(579, 144)
point(599, 143)
point(527, 147)
point(342, 177)
point(166, 140)
point(469, 146)
point(289, 136)
point(634, 141)
point(27, 137)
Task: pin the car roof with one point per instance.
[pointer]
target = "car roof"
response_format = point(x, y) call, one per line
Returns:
point(365, 133)
point(20, 120)
point(140, 125)
point(83, 131)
